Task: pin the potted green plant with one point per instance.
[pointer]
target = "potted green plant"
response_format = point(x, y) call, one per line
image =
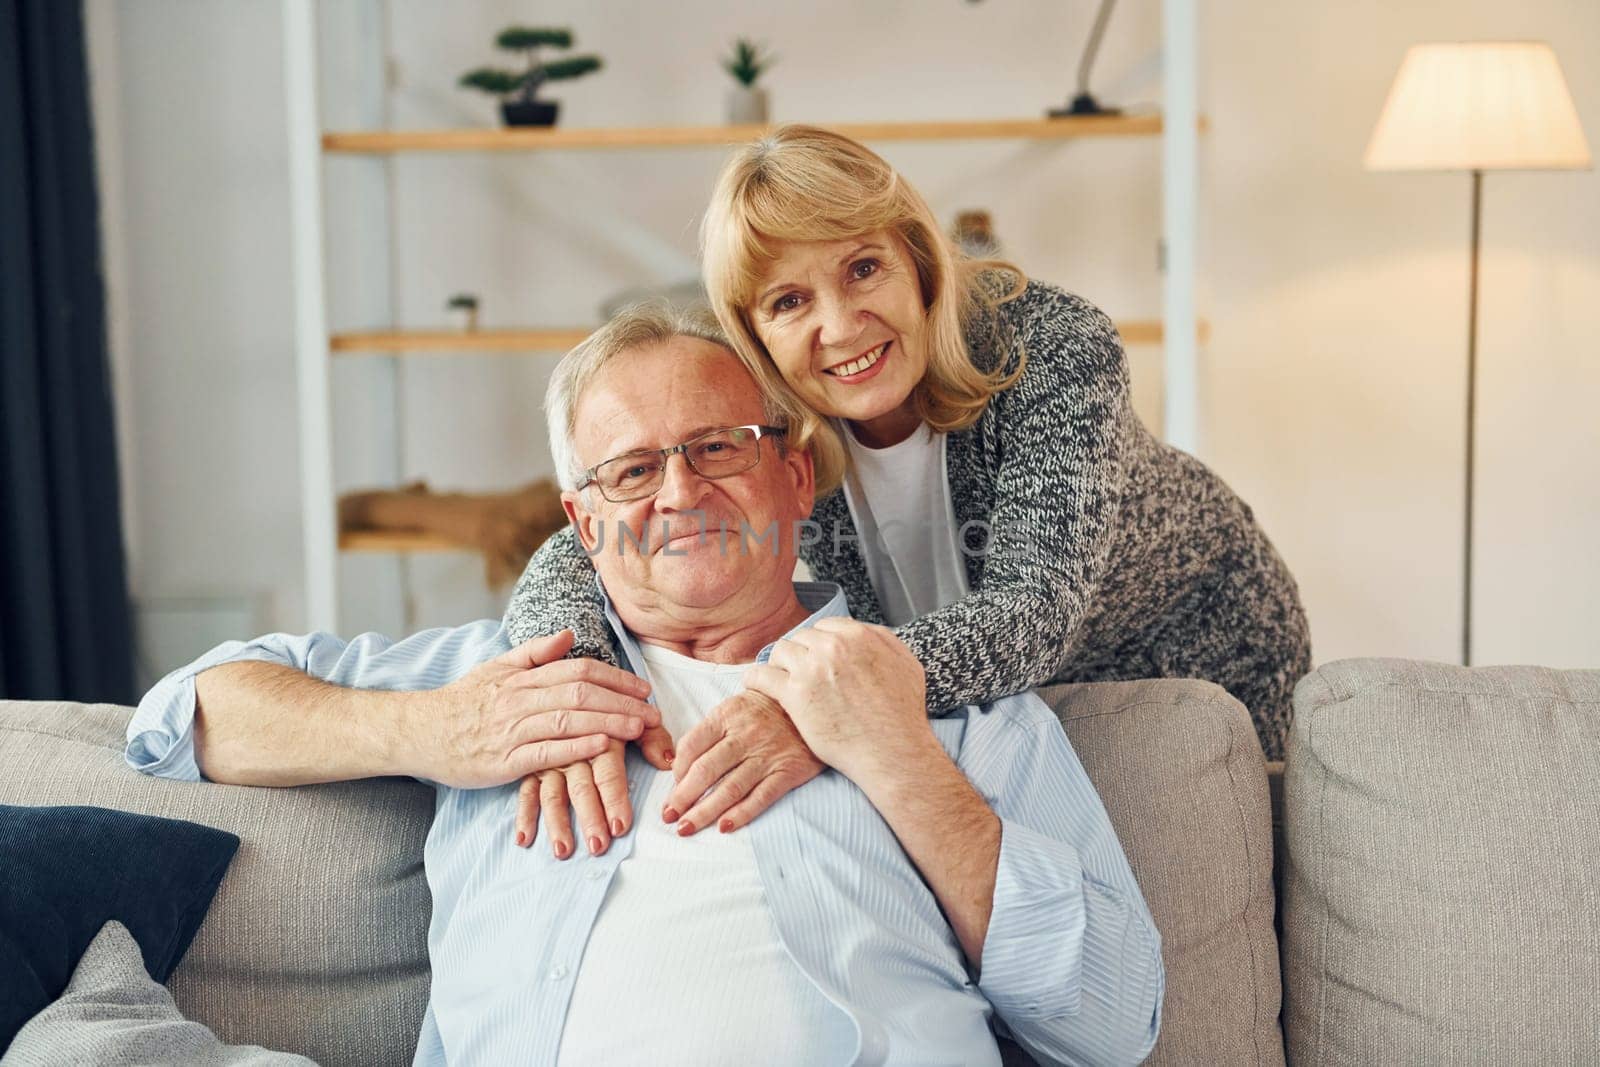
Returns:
point(747, 102)
point(463, 308)
point(519, 92)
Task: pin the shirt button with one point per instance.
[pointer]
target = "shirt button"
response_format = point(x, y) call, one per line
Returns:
point(596, 873)
point(557, 973)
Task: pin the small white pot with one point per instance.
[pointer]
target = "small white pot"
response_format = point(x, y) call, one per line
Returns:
point(747, 105)
point(464, 320)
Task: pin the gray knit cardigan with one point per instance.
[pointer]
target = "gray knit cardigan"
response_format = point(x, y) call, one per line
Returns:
point(1109, 555)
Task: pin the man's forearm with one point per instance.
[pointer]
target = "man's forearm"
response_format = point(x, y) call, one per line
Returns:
point(268, 724)
point(947, 829)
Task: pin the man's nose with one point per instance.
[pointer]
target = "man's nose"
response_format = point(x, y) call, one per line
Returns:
point(681, 486)
point(840, 323)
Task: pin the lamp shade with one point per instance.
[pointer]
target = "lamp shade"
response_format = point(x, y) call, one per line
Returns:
point(1499, 105)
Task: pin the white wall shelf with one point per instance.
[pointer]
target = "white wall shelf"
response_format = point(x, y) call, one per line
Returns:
point(1180, 331)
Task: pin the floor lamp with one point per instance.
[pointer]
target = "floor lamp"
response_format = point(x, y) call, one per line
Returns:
point(1476, 107)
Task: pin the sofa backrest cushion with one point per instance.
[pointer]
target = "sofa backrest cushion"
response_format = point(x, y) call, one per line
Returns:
point(1181, 773)
point(1443, 865)
point(316, 942)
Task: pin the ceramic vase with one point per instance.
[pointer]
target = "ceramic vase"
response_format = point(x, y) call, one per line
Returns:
point(747, 106)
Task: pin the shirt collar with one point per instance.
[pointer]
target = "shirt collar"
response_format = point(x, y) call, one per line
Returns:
point(823, 599)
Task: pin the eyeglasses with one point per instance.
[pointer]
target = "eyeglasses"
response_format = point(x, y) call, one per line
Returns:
point(717, 454)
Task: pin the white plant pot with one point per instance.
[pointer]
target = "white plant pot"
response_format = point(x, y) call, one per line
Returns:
point(463, 320)
point(747, 105)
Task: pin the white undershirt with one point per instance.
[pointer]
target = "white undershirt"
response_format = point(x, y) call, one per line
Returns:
point(900, 499)
point(684, 964)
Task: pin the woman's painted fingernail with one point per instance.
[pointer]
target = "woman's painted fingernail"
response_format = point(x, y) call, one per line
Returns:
point(616, 827)
point(685, 828)
point(669, 814)
point(725, 826)
point(594, 845)
point(561, 850)
point(668, 755)
point(522, 839)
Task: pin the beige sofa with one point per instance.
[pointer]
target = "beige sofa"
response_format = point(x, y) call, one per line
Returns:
point(1438, 866)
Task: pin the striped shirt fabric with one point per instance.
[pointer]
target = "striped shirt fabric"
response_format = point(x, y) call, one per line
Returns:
point(1071, 967)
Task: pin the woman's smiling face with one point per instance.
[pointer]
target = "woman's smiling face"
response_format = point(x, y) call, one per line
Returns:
point(845, 324)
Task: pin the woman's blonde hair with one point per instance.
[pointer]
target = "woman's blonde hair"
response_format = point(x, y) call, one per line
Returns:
point(804, 183)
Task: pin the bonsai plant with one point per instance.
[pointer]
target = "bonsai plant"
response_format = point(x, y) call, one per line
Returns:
point(464, 311)
point(747, 103)
point(519, 92)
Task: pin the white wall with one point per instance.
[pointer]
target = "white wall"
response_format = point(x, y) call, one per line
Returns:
point(1337, 298)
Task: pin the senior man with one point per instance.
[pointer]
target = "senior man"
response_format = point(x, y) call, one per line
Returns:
point(943, 879)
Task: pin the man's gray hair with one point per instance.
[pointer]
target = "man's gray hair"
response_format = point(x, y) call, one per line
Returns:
point(655, 322)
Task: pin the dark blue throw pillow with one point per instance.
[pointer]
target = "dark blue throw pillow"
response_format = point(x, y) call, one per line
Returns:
point(65, 872)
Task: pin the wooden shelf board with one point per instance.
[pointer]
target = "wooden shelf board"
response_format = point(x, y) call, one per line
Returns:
point(526, 138)
point(1152, 332)
point(396, 541)
point(448, 342)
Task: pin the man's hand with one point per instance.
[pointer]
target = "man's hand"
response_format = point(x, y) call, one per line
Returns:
point(598, 792)
point(526, 711)
point(742, 757)
point(854, 692)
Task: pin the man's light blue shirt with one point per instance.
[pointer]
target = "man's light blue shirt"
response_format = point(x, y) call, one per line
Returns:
point(1071, 962)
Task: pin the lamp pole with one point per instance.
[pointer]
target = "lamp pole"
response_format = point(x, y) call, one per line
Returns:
point(1472, 416)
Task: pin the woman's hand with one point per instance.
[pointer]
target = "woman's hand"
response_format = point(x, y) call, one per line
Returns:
point(735, 764)
point(596, 789)
point(854, 692)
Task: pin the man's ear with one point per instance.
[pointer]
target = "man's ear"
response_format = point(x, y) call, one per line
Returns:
point(583, 520)
point(803, 476)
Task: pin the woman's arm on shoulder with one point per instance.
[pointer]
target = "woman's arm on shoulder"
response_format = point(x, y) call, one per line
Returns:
point(1062, 431)
point(558, 592)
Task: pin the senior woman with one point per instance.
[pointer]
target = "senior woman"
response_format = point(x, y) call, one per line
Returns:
point(1004, 509)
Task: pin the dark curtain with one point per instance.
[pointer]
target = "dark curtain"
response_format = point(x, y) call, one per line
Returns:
point(65, 627)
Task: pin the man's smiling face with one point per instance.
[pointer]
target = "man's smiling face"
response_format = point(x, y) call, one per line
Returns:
point(657, 396)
